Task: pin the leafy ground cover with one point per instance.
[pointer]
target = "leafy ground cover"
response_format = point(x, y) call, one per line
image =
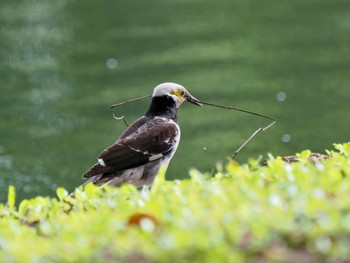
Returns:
point(281, 212)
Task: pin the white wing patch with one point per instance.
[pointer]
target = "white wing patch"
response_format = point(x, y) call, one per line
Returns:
point(101, 162)
point(155, 157)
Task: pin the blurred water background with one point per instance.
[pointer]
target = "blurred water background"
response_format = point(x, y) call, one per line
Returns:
point(63, 63)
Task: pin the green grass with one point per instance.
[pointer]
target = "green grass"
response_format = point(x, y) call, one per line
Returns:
point(242, 213)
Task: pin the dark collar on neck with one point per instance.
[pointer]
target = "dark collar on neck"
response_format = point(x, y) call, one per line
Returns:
point(162, 106)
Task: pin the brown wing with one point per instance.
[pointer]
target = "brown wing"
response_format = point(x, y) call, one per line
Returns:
point(142, 142)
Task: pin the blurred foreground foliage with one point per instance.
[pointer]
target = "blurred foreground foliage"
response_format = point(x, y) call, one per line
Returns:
point(282, 212)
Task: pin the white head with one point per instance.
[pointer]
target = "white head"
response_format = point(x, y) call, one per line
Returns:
point(175, 91)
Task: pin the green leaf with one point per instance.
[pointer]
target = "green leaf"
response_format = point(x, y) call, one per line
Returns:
point(11, 197)
point(23, 207)
point(61, 193)
point(159, 180)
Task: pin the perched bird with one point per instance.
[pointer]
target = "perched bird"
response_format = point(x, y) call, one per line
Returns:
point(146, 145)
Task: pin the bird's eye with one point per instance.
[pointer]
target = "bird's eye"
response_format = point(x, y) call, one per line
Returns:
point(182, 93)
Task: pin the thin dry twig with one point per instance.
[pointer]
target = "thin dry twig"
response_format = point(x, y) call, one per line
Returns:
point(261, 129)
point(123, 103)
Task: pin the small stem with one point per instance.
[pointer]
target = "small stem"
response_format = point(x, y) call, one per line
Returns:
point(261, 129)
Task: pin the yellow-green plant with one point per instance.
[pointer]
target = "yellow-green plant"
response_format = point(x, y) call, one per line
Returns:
point(243, 213)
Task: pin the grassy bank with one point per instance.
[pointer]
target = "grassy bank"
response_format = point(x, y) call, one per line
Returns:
point(296, 212)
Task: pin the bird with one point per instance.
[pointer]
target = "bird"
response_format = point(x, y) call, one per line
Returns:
point(146, 145)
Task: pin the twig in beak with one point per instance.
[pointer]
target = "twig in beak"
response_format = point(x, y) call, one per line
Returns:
point(123, 103)
point(193, 100)
point(245, 111)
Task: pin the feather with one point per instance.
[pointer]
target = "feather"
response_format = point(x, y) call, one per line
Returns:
point(147, 139)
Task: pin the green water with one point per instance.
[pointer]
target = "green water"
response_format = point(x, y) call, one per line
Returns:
point(63, 63)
